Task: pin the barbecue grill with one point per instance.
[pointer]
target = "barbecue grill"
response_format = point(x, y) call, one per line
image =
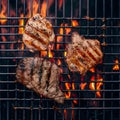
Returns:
point(96, 96)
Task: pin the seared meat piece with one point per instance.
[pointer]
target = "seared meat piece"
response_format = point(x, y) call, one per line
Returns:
point(42, 76)
point(38, 33)
point(53, 86)
point(45, 77)
point(27, 72)
point(83, 54)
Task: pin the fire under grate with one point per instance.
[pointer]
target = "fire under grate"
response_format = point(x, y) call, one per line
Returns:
point(94, 97)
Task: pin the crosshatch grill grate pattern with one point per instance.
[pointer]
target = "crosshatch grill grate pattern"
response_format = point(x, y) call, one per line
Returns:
point(94, 19)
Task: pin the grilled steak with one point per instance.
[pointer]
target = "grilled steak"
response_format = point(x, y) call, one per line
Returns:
point(38, 33)
point(42, 76)
point(83, 54)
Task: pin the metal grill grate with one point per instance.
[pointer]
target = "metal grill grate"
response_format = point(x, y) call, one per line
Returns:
point(98, 19)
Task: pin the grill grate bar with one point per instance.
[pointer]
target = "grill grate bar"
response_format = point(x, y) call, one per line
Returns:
point(85, 99)
point(89, 108)
point(63, 18)
point(115, 90)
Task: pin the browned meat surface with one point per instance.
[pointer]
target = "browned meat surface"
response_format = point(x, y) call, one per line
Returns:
point(42, 76)
point(83, 54)
point(38, 33)
point(53, 86)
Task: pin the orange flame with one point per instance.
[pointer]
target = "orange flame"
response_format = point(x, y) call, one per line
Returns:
point(65, 53)
point(21, 23)
point(68, 94)
point(59, 62)
point(43, 53)
point(61, 32)
point(73, 112)
point(83, 85)
point(60, 4)
point(59, 38)
point(116, 66)
point(44, 8)
point(92, 70)
point(3, 12)
point(74, 23)
point(49, 3)
point(65, 114)
point(67, 29)
point(97, 85)
point(28, 9)
point(50, 54)
point(92, 84)
point(35, 6)
point(73, 88)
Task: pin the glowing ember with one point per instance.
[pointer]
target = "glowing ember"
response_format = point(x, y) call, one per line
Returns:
point(116, 65)
point(3, 11)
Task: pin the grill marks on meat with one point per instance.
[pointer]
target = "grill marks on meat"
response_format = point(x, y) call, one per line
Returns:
point(53, 86)
point(33, 33)
point(83, 54)
point(42, 76)
point(45, 77)
point(38, 33)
